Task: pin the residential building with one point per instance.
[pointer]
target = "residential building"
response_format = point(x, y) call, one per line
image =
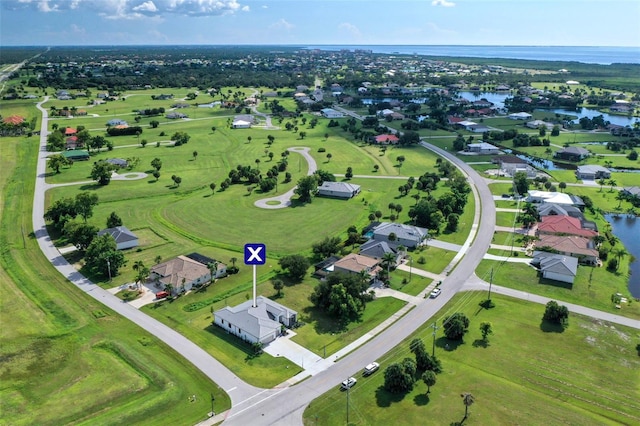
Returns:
point(338, 189)
point(556, 266)
point(356, 264)
point(572, 153)
point(551, 209)
point(76, 155)
point(592, 172)
point(331, 113)
point(483, 148)
point(563, 225)
point(520, 116)
point(385, 139)
point(119, 162)
point(535, 124)
point(175, 115)
point(405, 235)
point(579, 247)
point(631, 191)
point(536, 196)
point(378, 249)
point(182, 273)
point(125, 239)
point(261, 323)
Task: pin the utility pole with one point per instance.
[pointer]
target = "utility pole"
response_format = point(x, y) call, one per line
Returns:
point(109, 269)
point(433, 350)
point(490, 282)
point(213, 413)
point(347, 402)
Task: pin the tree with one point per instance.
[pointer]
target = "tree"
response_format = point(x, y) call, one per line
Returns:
point(349, 173)
point(429, 379)
point(326, 247)
point(195, 155)
point(58, 160)
point(177, 180)
point(85, 201)
point(156, 174)
point(154, 124)
point(113, 220)
point(521, 182)
point(102, 257)
point(80, 234)
point(388, 259)
point(398, 377)
point(156, 163)
point(486, 329)
point(602, 182)
point(619, 253)
point(329, 157)
point(180, 138)
point(558, 314)
point(562, 186)
point(452, 222)
point(296, 266)
point(101, 172)
point(612, 183)
point(306, 187)
point(61, 211)
point(467, 400)
point(213, 271)
point(344, 295)
point(144, 142)
point(400, 159)
point(302, 134)
point(278, 285)
point(212, 187)
point(142, 272)
point(455, 326)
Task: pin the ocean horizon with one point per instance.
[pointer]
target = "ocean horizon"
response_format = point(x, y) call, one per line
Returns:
point(604, 55)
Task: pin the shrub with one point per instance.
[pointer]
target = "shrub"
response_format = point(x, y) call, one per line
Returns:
point(612, 264)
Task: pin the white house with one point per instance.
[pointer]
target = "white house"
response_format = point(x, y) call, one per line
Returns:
point(338, 189)
point(536, 196)
point(262, 323)
point(535, 124)
point(331, 113)
point(520, 116)
point(240, 124)
point(124, 238)
point(483, 148)
point(405, 235)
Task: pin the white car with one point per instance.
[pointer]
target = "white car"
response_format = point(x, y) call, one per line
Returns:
point(435, 293)
point(349, 383)
point(371, 368)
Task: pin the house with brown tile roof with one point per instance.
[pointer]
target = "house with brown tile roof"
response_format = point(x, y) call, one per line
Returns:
point(182, 273)
point(355, 264)
point(580, 247)
point(563, 225)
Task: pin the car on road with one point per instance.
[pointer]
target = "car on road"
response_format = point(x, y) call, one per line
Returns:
point(371, 368)
point(435, 293)
point(349, 383)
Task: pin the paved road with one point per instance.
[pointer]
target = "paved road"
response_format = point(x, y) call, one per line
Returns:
point(286, 406)
point(241, 393)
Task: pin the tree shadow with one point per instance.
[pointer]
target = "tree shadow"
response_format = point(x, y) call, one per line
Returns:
point(551, 327)
point(91, 187)
point(480, 343)
point(421, 399)
point(384, 398)
point(207, 195)
point(447, 344)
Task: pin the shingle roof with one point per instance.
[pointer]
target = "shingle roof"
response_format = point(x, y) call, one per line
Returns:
point(568, 244)
point(259, 321)
point(120, 233)
point(355, 263)
point(405, 232)
point(557, 263)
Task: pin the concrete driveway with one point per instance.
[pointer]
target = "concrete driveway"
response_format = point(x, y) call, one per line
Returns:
point(284, 347)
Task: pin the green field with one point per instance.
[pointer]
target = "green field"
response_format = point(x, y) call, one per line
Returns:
point(66, 358)
point(511, 376)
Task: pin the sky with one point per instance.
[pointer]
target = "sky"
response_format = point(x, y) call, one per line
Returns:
point(312, 22)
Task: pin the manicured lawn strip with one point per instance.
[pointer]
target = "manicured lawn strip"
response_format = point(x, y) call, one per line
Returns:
point(436, 258)
point(72, 343)
point(506, 204)
point(577, 388)
point(506, 219)
point(412, 286)
point(501, 188)
point(595, 294)
point(318, 335)
point(603, 199)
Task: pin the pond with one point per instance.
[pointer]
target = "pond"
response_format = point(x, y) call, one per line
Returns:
point(539, 162)
point(627, 229)
point(498, 99)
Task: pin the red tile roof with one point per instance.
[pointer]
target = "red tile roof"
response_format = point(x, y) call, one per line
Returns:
point(70, 131)
point(14, 119)
point(386, 138)
point(564, 225)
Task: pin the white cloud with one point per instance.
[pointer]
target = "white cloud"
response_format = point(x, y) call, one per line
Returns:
point(351, 29)
point(443, 3)
point(147, 6)
point(282, 24)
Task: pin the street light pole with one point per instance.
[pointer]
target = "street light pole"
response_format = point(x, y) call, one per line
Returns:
point(213, 413)
point(347, 402)
point(109, 269)
point(490, 282)
point(433, 350)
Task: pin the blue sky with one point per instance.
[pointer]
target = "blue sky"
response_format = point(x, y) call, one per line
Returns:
point(311, 22)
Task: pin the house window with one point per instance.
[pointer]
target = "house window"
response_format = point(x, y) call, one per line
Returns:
point(229, 325)
point(240, 331)
point(222, 321)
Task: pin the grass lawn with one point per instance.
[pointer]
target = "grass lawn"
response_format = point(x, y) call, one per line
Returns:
point(501, 188)
point(411, 284)
point(592, 287)
point(582, 385)
point(436, 259)
point(506, 219)
point(66, 358)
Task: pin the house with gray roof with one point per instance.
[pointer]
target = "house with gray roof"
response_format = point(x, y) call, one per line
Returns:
point(338, 189)
point(124, 238)
point(261, 323)
point(592, 172)
point(631, 191)
point(572, 153)
point(551, 209)
point(376, 249)
point(555, 267)
point(406, 235)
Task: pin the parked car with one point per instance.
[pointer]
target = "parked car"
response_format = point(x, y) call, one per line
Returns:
point(162, 295)
point(349, 383)
point(435, 293)
point(371, 368)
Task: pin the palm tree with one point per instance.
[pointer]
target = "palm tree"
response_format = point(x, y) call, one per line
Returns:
point(158, 259)
point(619, 253)
point(620, 197)
point(233, 261)
point(612, 183)
point(388, 259)
point(429, 379)
point(602, 183)
point(213, 270)
point(467, 400)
